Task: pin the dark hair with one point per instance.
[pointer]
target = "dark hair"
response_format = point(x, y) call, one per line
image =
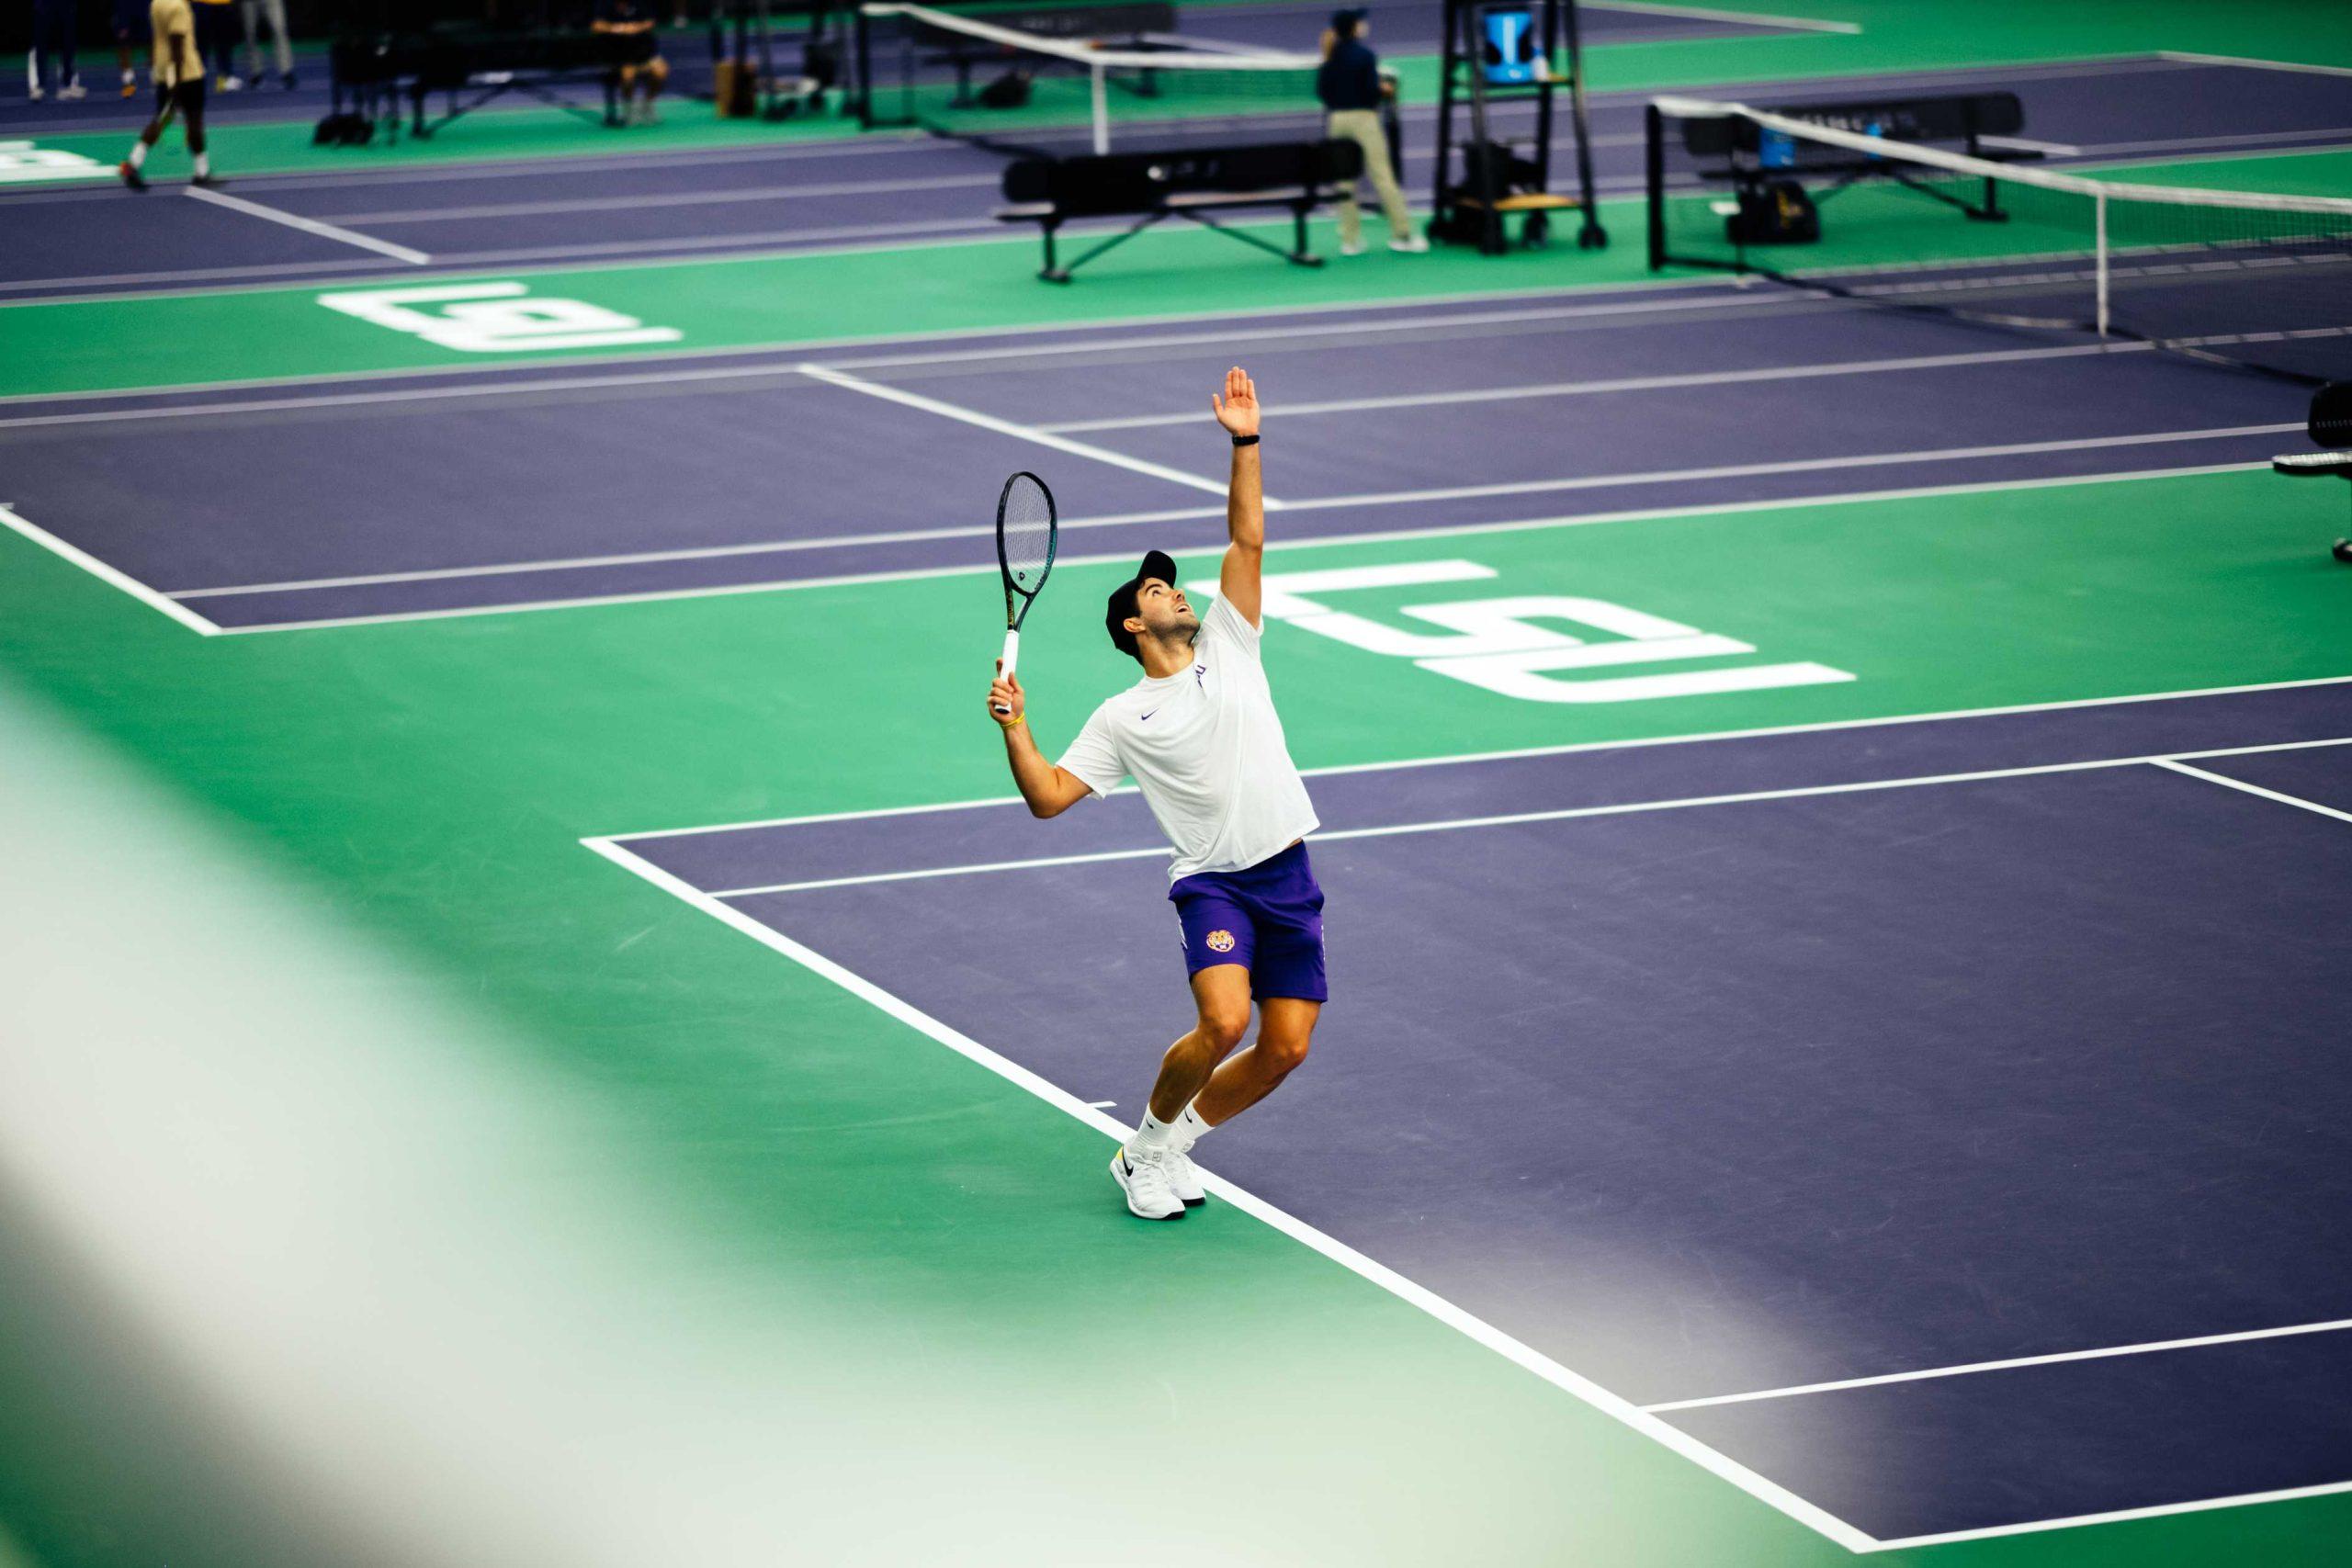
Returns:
point(1345, 23)
point(1122, 602)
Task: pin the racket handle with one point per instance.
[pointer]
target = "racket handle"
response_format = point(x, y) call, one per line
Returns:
point(1011, 657)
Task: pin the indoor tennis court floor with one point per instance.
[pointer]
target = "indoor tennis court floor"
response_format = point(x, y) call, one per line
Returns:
point(1837, 825)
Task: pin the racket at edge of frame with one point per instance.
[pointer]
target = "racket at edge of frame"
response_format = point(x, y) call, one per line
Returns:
point(1027, 531)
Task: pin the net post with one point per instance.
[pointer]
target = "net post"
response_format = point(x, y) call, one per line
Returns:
point(1654, 180)
point(2098, 223)
point(861, 67)
point(1097, 79)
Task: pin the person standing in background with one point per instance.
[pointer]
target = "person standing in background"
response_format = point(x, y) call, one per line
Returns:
point(179, 90)
point(130, 30)
point(254, 13)
point(1349, 85)
point(49, 65)
point(216, 42)
point(634, 18)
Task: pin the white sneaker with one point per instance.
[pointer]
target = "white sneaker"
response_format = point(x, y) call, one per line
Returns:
point(1352, 247)
point(1183, 1179)
point(1411, 244)
point(1144, 1179)
point(73, 92)
point(36, 95)
point(232, 84)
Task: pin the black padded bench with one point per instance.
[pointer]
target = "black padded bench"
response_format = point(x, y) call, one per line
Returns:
point(1152, 187)
point(369, 72)
point(2331, 428)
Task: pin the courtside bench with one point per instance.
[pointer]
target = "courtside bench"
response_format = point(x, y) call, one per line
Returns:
point(2331, 428)
point(1191, 184)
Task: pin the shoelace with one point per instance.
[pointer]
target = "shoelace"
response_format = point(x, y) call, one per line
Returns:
point(1150, 1175)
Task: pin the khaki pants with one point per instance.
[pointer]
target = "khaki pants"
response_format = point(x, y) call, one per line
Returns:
point(1362, 128)
point(255, 12)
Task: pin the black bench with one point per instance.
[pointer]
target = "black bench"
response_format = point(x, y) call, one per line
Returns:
point(1980, 124)
point(1190, 184)
point(2331, 428)
point(370, 70)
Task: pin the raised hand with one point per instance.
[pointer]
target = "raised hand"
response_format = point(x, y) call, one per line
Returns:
point(1236, 409)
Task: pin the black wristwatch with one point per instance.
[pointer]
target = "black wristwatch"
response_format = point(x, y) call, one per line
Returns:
point(1245, 441)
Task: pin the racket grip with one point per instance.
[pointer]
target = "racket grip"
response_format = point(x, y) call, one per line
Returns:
point(1011, 657)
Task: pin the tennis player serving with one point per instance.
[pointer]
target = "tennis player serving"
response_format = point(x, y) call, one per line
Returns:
point(1200, 737)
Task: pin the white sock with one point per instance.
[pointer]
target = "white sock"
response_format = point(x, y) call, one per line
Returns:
point(203, 165)
point(1152, 1136)
point(1189, 1126)
point(139, 154)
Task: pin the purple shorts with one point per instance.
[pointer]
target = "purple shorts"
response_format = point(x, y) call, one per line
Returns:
point(1267, 918)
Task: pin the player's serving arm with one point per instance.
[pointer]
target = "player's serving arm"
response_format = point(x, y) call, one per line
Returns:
point(1200, 737)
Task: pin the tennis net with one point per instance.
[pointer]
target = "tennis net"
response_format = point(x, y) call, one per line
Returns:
point(1057, 81)
point(2240, 278)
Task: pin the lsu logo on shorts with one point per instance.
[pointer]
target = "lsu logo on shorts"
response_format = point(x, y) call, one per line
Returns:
point(1220, 942)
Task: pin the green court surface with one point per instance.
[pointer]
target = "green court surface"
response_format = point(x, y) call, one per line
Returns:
point(384, 1178)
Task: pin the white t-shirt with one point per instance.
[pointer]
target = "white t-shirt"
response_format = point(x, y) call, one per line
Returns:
point(1206, 748)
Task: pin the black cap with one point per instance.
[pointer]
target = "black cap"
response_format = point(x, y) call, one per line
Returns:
point(1156, 563)
point(1345, 23)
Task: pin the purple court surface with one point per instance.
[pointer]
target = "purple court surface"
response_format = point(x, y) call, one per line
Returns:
point(1432, 440)
point(1682, 1072)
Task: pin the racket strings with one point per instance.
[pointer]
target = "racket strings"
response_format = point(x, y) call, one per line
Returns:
point(1026, 528)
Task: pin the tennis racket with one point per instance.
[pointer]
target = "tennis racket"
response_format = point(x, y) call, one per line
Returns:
point(1026, 532)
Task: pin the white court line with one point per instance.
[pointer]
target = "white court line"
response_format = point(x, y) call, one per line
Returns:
point(2027, 145)
point(1970, 1367)
point(769, 246)
point(1560, 814)
point(1444, 532)
point(2188, 57)
point(705, 552)
point(2253, 789)
point(2258, 139)
point(1580, 1387)
point(1627, 384)
point(666, 200)
point(310, 226)
point(181, 274)
point(1718, 294)
point(1570, 748)
point(1019, 432)
point(1707, 13)
point(107, 574)
point(1128, 519)
point(1779, 301)
point(2118, 1515)
point(1790, 466)
point(1663, 294)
